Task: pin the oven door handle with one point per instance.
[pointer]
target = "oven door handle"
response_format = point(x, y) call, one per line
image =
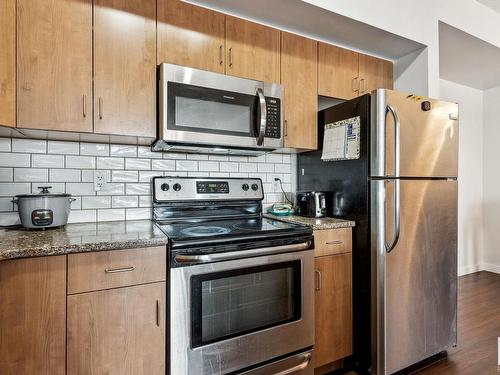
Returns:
point(301, 366)
point(263, 117)
point(217, 257)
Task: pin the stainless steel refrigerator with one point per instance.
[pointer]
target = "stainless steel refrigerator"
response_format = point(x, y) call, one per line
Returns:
point(401, 189)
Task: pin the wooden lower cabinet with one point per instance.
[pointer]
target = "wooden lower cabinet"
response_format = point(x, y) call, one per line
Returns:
point(33, 316)
point(117, 331)
point(333, 308)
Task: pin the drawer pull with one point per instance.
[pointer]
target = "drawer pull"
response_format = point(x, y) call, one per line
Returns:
point(318, 280)
point(336, 242)
point(121, 269)
point(157, 313)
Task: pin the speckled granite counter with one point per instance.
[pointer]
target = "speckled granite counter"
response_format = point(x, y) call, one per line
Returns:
point(315, 223)
point(77, 238)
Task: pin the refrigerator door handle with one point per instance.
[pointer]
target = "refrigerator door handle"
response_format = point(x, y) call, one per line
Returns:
point(396, 217)
point(397, 125)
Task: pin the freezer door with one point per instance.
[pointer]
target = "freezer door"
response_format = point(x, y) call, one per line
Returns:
point(415, 283)
point(425, 143)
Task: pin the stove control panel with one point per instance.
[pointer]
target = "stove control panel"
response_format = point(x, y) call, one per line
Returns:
point(172, 189)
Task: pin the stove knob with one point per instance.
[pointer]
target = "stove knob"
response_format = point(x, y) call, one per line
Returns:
point(177, 187)
point(165, 187)
point(245, 187)
point(255, 187)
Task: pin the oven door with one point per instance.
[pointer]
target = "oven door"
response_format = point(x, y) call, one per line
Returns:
point(240, 314)
point(205, 108)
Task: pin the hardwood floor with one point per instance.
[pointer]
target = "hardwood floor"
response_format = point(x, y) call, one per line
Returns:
point(478, 328)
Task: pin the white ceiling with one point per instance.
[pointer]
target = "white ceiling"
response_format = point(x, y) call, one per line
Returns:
point(302, 18)
point(493, 4)
point(468, 60)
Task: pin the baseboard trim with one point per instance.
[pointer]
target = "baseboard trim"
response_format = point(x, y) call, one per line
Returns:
point(490, 267)
point(465, 270)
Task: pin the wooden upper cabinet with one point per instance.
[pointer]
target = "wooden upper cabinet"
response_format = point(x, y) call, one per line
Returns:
point(190, 36)
point(299, 59)
point(337, 72)
point(117, 331)
point(125, 67)
point(33, 316)
point(54, 64)
point(8, 63)
point(333, 308)
point(252, 50)
point(374, 73)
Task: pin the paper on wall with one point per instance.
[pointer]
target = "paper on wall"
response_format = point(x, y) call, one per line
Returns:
point(341, 140)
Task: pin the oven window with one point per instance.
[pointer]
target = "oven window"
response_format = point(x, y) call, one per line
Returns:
point(205, 110)
point(231, 303)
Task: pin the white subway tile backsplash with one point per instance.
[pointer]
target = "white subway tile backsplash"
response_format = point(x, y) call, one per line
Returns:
point(111, 214)
point(29, 145)
point(10, 189)
point(6, 175)
point(163, 165)
point(70, 167)
point(123, 201)
point(9, 218)
point(64, 148)
point(110, 163)
point(14, 160)
point(80, 188)
point(96, 202)
point(80, 162)
point(30, 175)
point(94, 149)
point(47, 161)
point(125, 176)
point(229, 167)
point(5, 144)
point(123, 150)
point(138, 164)
point(208, 166)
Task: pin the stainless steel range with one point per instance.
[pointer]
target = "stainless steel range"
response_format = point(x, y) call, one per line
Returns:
point(241, 287)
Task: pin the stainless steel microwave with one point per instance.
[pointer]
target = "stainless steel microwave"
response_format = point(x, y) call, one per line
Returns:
point(200, 111)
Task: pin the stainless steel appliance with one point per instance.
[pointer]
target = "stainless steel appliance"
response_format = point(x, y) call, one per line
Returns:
point(200, 111)
point(241, 287)
point(43, 210)
point(311, 204)
point(402, 193)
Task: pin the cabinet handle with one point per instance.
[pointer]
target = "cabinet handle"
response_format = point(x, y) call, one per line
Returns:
point(318, 280)
point(221, 58)
point(336, 242)
point(361, 85)
point(120, 269)
point(355, 86)
point(84, 105)
point(100, 108)
point(158, 313)
point(286, 128)
point(230, 57)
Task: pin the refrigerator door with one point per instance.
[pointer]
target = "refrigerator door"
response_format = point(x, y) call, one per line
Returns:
point(414, 283)
point(427, 136)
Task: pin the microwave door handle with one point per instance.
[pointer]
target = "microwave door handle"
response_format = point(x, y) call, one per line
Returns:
point(263, 117)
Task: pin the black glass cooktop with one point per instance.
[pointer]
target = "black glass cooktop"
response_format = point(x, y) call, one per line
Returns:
point(225, 230)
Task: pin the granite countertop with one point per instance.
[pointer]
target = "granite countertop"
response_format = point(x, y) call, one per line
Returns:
point(77, 238)
point(315, 223)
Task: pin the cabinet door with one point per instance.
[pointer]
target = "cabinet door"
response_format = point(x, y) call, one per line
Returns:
point(55, 64)
point(125, 67)
point(337, 72)
point(8, 63)
point(333, 304)
point(117, 331)
point(374, 73)
point(253, 50)
point(299, 58)
point(190, 36)
point(33, 316)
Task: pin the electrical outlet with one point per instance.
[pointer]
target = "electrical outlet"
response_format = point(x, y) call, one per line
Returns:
point(99, 180)
point(276, 185)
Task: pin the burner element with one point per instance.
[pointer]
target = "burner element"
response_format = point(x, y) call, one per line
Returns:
point(204, 230)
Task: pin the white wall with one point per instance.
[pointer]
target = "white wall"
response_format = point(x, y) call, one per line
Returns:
point(470, 174)
point(491, 188)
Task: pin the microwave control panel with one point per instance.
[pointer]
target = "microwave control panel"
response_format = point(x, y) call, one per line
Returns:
point(273, 129)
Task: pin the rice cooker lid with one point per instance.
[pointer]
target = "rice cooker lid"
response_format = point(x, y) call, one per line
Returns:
point(44, 192)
